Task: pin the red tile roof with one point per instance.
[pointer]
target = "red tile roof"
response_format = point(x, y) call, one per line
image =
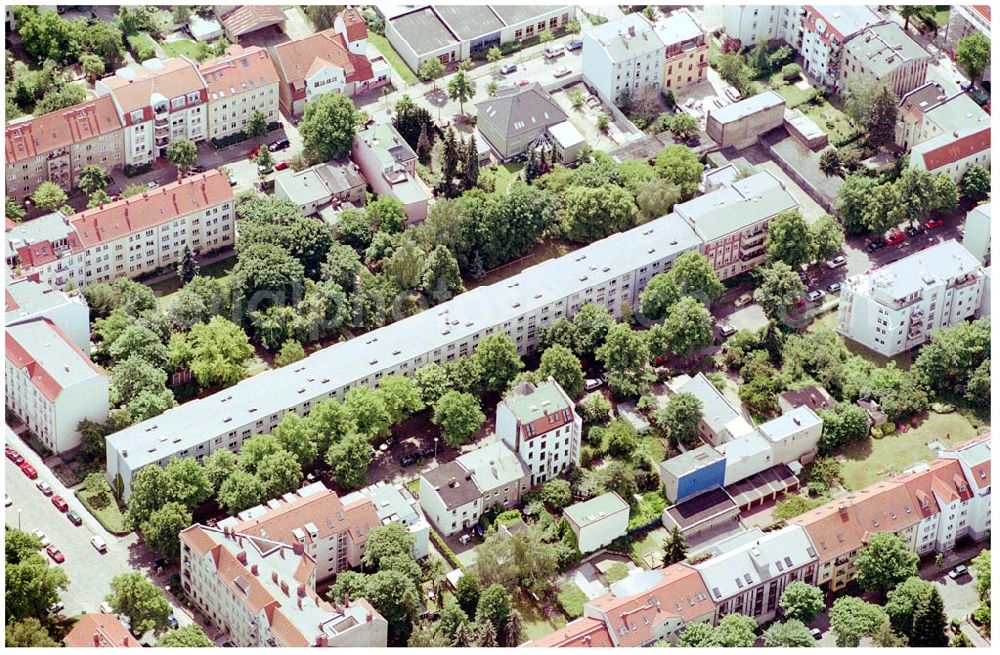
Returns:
point(115, 220)
point(250, 18)
point(177, 77)
point(99, 631)
point(581, 633)
point(355, 23)
point(239, 70)
point(298, 59)
point(60, 129)
point(325, 510)
point(982, 10)
point(957, 150)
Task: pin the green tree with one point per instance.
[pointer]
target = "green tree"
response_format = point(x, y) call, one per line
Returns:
point(973, 55)
point(559, 363)
point(852, 618)
point(29, 633)
point(256, 125)
point(493, 55)
point(801, 601)
point(689, 327)
point(495, 605)
point(696, 635)
point(659, 296)
point(780, 288)
point(695, 277)
point(441, 279)
point(975, 184)
point(217, 352)
point(240, 490)
point(556, 494)
point(884, 562)
point(48, 196)
point(625, 356)
point(680, 165)
point(656, 198)
point(881, 121)
point(461, 89)
point(735, 631)
point(279, 473)
point(467, 592)
point(680, 417)
point(328, 126)
point(188, 636)
point(497, 361)
point(459, 416)
point(397, 599)
point(827, 236)
point(590, 214)
point(219, 466)
point(92, 179)
point(852, 201)
point(182, 153)
point(349, 459)
point(592, 323)
point(829, 162)
point(683, 125)
point(371, 416)
point(789, 240)
point(674, 547)
point(150, 491)
point(14, 210)
point(134, 596)
point(790, 634)
point(981, 567)
point(187, 268)
point(621, 439)
point(902, 605)
point(160, 531)
point(291, 352)
point(842, 424)
point(385, 542)
point(186, 482)
point(295, 435)
point(31, 585)
point(431, 70)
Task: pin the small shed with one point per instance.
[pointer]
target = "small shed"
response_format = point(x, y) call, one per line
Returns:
point(598, 521)
point(204, 29)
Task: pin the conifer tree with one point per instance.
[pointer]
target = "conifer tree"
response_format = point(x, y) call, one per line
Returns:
point(187, 268)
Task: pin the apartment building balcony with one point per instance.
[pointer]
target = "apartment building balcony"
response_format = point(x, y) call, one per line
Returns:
point(57, 153)
point(753, 254)
point(754, 243)
point(964, 281)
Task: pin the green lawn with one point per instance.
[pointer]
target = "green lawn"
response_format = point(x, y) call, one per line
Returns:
point(110, 517)
point(872, 460)
point(793, 95)
point(652, 543)
point(187, 48)
point(136, 42)
point(652, 447)
point(392, 57)
point(166, 289)
point(414, 486)
point(830, 119)
point(536, 624)
point(572, 599)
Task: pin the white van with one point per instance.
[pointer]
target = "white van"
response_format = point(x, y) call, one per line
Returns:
point(554, 50)
point(99, 544)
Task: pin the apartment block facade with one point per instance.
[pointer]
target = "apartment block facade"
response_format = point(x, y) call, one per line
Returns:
point(27, 300)
point(624, 59)
point(128, 237)
point(55, 147)
point(898, 306)
point(686, 43)
point(50, 384)
point(539, 422)
point(886, 54)
point(240, 83)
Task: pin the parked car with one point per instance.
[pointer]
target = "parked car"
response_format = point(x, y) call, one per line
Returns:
point(233, 182)
point(429, 452)
point(508, 68)
point(55, 554)
point(591, 384)
point(152, 184)
point(57, 607)
point(744, 299)
point(60, 503)
point(914, 231)
point(837, 262)
point(816, 633)
point(41, 537)
point(575, 44)
point(253, 153)
point(409, 459)
point(106, 608)
point(560, 71)
point(12, 454)
point(725, 328)
point(815, 295)
point(523, 82)
point(554, 50)
point(29, 470)
point(282, 165)
point(958, 571)
point(933, 224)
point(895, 238)
point(733, 94)
point(74, 518)
point(198, 169)
point(875, 244)
point(172, 620)
point(833, 288)
point(99, 544)
point(44, 487)
point(280, 144)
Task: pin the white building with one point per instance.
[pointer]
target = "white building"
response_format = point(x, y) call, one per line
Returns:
point(240, 83)
point(395, 504)
point(610, 272)
point(953, 153)
point(26, 300)
point(750, 579)
point(128, 237)
point(963, 20)
point(454, 495)
point(158, 102)
point(598, 521)
point(746, 455)
point(975, 456)
point(793, 436)
point(389, 165)
point(928, 112)
point(748, 24)
point(720, 421)
point(262, 593)
point(330, 531)
point(624, 59)
point(977, 233)
point(317, 187)
point(50, 384)
point(898, 306)
point(540, 424)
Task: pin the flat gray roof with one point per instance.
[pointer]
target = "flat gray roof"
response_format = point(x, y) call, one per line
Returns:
point(923, 269)
point(734, 207)
point(691, 460)
point(52, 352)
point(678, 26)
point(884, 48)
point(515, 14)
point(423, 31)
point(469, 21)
point(360, 358)
point(715, 409)
point(748, 107)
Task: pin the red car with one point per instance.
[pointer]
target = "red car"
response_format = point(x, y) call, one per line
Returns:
point(10, 452)
point(282, 165)
point(895, 238)
point(29, 470)
point(523, 82)
point(60, 503)
point(933, 224)
point(55, 554)
point(253, 153)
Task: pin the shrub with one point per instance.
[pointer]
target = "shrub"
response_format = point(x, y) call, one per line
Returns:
point(571, 600)
point(509, 517)
point(132, 171)
point(586, 456)
point(616, 572)
point(942, 408)
point(445, 550)
point(876, 432)
point(982, 616)
point(790, 71)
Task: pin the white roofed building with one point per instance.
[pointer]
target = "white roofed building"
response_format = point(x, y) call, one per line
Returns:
point(395, 504)
point(624, 59)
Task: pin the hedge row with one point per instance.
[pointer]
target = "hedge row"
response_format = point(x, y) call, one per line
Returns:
point(445, 550)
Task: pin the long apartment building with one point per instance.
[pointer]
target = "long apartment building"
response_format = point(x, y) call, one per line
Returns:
point(898, 306)
point(732, 221)
point(331, 532)
point(262, 594)
point(930, 507)
point(610, 272)
point(55, 147)
point(540, 424)
point(50, 384)
point(27, 300)
point(128, 237)
point(238, 84)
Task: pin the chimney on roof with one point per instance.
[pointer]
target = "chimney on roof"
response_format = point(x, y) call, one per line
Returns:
point(284, 587)
point(253, 569)
point(125, 641)
point(297, 548)
point(321, 641)
point(842, 508)
point(631, 30)
point(301, 591)
point(368, 617)
point(274, 577)
point(241, 557)
point(97, 640)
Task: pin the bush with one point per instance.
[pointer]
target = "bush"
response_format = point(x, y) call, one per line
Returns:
point(982, 616)
point(446, 552)
point(616, 572)
point(132, 171)
point(586, 456)
point(795, 505)
point(942, 408)
point(509, 517)
point(790, 71)
point(876, 432)
point(571, 600)
point(649, 508)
